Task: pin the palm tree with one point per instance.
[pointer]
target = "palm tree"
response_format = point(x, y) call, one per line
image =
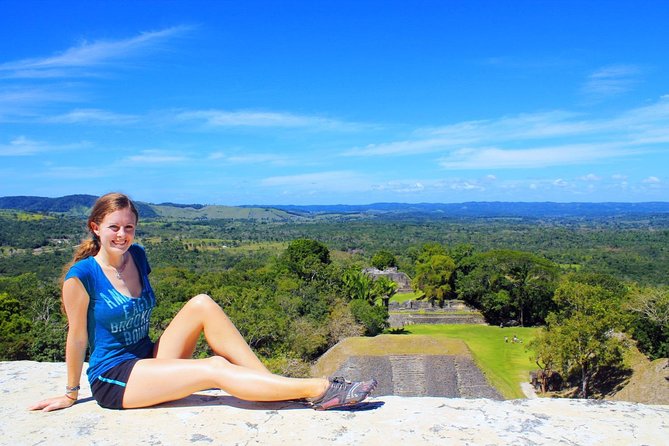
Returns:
point(385, 289)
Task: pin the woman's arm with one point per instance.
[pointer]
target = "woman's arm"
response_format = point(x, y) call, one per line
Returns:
point(75, 300)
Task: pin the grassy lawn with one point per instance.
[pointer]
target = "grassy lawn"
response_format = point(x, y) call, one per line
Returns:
point(403, 297)
point(505, 364)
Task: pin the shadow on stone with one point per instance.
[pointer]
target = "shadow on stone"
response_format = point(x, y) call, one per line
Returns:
point(360, 407)
point(202, 399)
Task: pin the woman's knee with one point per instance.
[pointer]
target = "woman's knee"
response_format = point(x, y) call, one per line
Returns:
point(202, 302)
point(217, 364)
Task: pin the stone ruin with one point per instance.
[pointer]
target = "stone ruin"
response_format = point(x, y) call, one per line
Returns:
point(402, 280)
point(424, 312)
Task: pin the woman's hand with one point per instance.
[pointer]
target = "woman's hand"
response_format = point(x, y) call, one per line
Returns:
point(55, 403)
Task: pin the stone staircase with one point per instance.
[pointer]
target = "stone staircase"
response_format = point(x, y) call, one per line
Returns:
point(408, 375)
point(421, 375)
point(412, 366)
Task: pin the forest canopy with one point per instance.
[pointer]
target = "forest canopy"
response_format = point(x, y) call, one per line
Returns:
point(295, 288)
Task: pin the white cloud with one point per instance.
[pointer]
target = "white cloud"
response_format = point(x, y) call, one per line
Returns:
point(430, 185)
point(342, 181)
point(258, 158)
point(22, 104)
point(535, 140)
point(17, 97)
point(466, 185)
point(400, 187)
point(399, 148)
point(611, 80)
point(251, 158)
point(74, 61)
point(224, 118)
point(75, 173)
point(155, 157)
point(216, 156)
point(23, 146)
point(525, 126)
point(590, 177)
point(496, 158)
point(92, 116)
point(652, 180)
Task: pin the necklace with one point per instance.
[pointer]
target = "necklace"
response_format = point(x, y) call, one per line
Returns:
point(119, 271)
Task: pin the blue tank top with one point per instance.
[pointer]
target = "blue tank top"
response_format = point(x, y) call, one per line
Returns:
point(118, 325)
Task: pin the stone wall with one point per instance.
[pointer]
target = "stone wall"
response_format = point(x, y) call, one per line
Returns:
point(449, 306)
point(398, 320)
point(213, 418)
point(401, 279)
point(422, 312)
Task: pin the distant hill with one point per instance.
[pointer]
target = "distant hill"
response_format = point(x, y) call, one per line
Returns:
point(76, 205)
point(79, 205)
point(490, 209)
point(43, 204)
point(200, 212)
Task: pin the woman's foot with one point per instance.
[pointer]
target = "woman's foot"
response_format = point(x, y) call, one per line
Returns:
point(341, 393)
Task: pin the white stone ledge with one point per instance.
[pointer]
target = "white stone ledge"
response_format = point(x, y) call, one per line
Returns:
point(212, 418)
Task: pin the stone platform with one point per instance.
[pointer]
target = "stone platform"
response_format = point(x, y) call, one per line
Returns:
point(213, 418)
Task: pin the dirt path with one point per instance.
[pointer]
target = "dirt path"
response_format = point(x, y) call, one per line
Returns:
point(528, 390)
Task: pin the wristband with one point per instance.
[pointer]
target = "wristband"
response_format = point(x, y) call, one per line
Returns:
point(69, 397)
point(69, 389)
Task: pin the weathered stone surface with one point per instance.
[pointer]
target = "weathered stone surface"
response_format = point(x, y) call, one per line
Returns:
point(402, 281)
point(214, 418)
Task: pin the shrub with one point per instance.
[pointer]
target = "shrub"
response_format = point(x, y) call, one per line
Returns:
point(373, 317)
point(342, 324)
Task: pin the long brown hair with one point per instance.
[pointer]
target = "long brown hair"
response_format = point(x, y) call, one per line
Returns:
point(104, 205)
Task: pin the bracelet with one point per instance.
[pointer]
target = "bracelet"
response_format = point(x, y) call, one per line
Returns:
point(69, 389)
point(69, 397)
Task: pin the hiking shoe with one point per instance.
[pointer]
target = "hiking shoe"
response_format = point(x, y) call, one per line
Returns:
point(343, 393)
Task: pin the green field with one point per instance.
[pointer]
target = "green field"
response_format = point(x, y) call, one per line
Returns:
point(403, 297)
point(505, 364)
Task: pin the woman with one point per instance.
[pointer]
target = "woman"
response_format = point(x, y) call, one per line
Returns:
point(108, 301)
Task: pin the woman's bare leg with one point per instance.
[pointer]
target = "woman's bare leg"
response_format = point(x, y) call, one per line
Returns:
point(155, 381)
point(202, 314)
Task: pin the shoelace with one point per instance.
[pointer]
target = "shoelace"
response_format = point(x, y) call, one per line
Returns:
point(338, 383)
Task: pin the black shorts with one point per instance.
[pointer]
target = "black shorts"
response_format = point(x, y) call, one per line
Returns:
point(109, 387)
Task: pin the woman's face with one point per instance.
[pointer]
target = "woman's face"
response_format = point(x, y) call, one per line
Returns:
point(116, 231)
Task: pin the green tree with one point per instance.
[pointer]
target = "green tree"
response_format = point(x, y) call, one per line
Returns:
point(433, 275)
point(358, 285)
point(14, 329)
point(306, 257)
point(383, 259)
point(307, 338)
point(580, 338)
point(373, 317)
point(384, 288)
point(259, 318)
point(508, 285)
point(341, 323)
point(649, 307)
point(530, 281)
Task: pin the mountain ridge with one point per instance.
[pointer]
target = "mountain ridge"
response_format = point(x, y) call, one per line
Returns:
point(79, 204)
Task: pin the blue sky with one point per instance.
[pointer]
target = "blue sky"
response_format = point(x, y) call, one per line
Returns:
point(303, 102)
